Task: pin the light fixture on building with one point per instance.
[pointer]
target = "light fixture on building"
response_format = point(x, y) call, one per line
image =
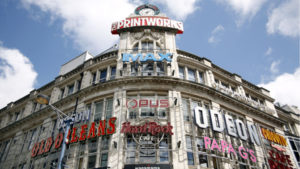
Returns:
point(44, 100)
point(118, 102)
point(178, 144)
point(115, 145)
point(175, 101)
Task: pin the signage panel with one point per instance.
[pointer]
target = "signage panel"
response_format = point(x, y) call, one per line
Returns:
point(147, 166)
point(127, 57)
point(149, 21)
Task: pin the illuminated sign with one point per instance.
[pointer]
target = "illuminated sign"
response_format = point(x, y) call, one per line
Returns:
point(127, 57)
point(273, 137)
point(103, 128)
point(148, 21)
point(77, 117)
point(279, 160)
point(223, 146)
point(147, 166)
point(135, 103)
point(149, 127)
point(234, 127)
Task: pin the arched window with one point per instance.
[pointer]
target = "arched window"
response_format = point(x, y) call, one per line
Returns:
point(147, 45)
point(135, 47)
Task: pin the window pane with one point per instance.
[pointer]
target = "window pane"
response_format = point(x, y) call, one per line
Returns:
point(188, 142)
point(185, 109)
point(113, 73)
point(200, 77)
point(91, 162)
point(103, 75)
point(147, 69)
point(203, 160)
point(98, 111)
point(134, 68)
point(104, 157)
point(70, 89)
point(181, 72)
point(191, 75)
point(108, 108)
point(160, 69)
point(190, 158)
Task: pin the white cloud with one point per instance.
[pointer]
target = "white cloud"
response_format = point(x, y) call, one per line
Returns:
point(284, 88)
point(285, 19)
point(179, 8)
point(245, 9)
point(87, 23)
point(215, 33)
point(17, 76)
point(274, 67)
point(269, 51)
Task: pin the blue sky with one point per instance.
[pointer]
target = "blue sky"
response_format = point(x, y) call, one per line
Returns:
point(257, 39)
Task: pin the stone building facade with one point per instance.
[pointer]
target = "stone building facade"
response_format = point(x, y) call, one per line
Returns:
point(145, 103)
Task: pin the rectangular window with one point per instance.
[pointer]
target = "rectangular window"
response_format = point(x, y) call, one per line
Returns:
point(104, 143)
point(191, 75)
point(190, 158)
point(134, 68)
point(147, 46)
point(17, 116)
point(188, 142)
point(104, 158)
point(113, 73)
point(203, 160)
point(185, 110)
point(200, 77)
point(98, 111)
point(78, 85)
point(147, 69)
point(92, 145)
point(91, 162)
point(33, 135)
point(94, 75)
point(131, 147)
point(181, 72)
point(160, 69)
point(103, 75)
point(108, 108)
point(70, 89)
point(62, 92)
point(163, 151)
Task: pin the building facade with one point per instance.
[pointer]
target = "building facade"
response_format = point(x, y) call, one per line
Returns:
point(143, 103)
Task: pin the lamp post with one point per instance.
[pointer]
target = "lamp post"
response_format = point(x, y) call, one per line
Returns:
point(43, 99)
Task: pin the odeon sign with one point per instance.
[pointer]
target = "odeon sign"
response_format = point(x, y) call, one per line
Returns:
point(102, 128)
point(235, 128)
point(127, 57)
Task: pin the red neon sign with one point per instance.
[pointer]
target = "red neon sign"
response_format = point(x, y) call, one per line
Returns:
point(85, 133)
point(134, 103)
point(148, 127)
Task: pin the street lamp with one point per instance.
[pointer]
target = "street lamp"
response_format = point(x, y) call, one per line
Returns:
point(43, 99)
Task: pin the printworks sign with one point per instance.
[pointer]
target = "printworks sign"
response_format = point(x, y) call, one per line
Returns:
point(273, 137)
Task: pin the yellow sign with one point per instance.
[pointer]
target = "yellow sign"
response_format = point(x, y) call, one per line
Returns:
point(271, 136)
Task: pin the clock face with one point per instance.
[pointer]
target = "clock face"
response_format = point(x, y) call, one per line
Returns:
point(147, 12)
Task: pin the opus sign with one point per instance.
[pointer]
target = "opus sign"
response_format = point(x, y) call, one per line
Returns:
point(127, 57)
point(149, 21)
point(235, 128)
point(135, 103)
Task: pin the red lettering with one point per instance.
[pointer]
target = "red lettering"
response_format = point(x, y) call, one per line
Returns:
point(58, 140)
point(164, 103)
point(154, 105)
point(82, 136)
point(74, 138)
point(101, 128)
point(143, 103)
point(35, 150)
point(111, 123)
point(48, 144)
point(92, 131)
point(41, 149)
